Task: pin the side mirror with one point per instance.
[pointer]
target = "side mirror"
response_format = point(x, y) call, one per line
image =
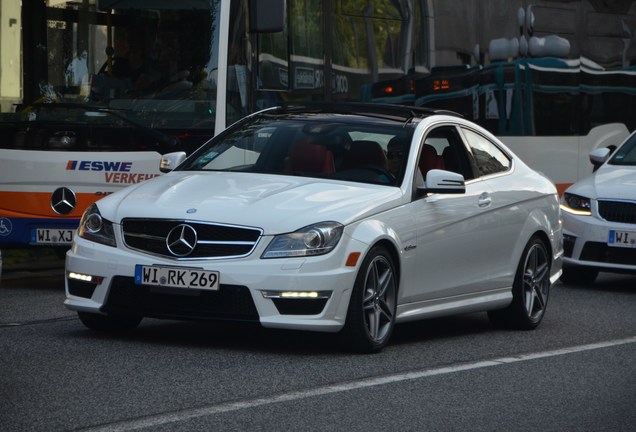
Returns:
point(599, 156)
point(170, 161)
point(445, 182)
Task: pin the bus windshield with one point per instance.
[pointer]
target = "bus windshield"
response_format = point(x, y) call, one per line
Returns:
point(153, 63)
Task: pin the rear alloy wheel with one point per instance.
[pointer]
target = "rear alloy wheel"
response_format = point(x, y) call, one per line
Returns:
point(530, 290)
point(371, 314)
point(109, 323)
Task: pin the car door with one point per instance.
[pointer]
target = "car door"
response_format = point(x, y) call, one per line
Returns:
point(454, 231)
point(509, 205)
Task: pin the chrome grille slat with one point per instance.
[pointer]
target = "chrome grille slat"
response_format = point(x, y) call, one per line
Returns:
point(225, 242)
point(214, 241)
point(145, 236)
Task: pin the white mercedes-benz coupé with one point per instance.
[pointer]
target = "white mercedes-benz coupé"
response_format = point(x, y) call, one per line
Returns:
point(344, 218)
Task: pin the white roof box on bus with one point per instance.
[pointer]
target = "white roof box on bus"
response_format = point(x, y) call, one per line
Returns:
point(549, 46)
point(503, 49)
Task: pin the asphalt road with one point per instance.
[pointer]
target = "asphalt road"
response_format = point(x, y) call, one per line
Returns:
point(576, 372)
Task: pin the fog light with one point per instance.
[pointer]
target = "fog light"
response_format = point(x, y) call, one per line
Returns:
point(298, 302)
point(312, 294)
point(85, 277)
point(296, 294)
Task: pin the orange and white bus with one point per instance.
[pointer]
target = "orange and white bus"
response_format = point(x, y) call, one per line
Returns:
point(92, 92)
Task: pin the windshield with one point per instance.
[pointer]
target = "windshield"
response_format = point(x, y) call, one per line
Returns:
point(332, 147)
point(626, 154)
point(152, 62)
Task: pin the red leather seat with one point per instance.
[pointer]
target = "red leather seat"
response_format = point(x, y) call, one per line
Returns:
point(307, 157)
point(429, 159)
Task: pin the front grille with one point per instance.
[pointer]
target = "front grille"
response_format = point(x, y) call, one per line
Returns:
point(230, 302)
point(212, 240)
point(602, 253)
point(618, 211)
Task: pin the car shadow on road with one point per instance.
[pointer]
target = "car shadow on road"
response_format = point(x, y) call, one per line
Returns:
point(607, 282)
point(221, 335)
point(442, 328)
point(253, 337)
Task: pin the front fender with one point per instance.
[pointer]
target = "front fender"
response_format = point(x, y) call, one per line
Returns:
point(399, 238)
point(539, 222)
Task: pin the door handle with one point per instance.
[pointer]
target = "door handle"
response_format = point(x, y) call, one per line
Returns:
point(484, 200)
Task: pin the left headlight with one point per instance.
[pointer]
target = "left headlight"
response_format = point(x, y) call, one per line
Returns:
point(317, 239)
point(95, 228)
point(576, 204)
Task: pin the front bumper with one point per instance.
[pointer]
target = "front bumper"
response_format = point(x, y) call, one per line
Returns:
point(243, 283)
point(585, 241)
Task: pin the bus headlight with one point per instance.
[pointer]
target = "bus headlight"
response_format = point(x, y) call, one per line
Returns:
point(95, 228)
point(317, 239)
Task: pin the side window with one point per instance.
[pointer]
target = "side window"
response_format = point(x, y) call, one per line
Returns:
point(444, 149)
point(488, 157)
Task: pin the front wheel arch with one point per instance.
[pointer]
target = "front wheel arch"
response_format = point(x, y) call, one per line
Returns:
point(371, 313)
point(395, 256)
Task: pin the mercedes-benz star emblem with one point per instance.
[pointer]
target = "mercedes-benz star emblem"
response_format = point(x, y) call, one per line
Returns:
point(181, 240)
point(63, 201)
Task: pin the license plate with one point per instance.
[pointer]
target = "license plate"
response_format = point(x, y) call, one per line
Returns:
point(176, 277)
point(624, 239)
point(58, 236)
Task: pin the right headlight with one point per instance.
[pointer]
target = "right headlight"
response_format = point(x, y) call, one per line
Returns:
point(576, 204)
point(95, 228)
point(317, 239)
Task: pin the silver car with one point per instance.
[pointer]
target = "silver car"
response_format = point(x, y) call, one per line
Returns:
point(599, 217)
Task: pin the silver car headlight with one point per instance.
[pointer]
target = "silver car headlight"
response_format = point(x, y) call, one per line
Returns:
point(576, 204)
point(95, 228)
point(317, 239)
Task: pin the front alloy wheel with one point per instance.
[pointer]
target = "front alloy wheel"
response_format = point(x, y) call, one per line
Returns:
point(530, 290)
point(371, 315)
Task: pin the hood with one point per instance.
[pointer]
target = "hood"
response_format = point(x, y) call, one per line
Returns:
point(275, 203)
point(610, 181)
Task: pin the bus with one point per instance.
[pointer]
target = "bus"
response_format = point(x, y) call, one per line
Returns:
point(551, 112)
point(93, 92)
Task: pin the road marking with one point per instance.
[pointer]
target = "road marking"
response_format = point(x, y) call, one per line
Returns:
point(190, 414)
point(41, 321)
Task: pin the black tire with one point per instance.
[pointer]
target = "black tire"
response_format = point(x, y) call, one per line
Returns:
point(578, 275)
point(371, 314)
point(109, 323)
point(530, 290)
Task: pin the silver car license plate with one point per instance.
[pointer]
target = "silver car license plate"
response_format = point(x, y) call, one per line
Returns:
point(624, 239)
point(176, 277)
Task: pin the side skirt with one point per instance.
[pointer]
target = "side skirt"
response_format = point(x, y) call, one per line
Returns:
point(482, 301)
